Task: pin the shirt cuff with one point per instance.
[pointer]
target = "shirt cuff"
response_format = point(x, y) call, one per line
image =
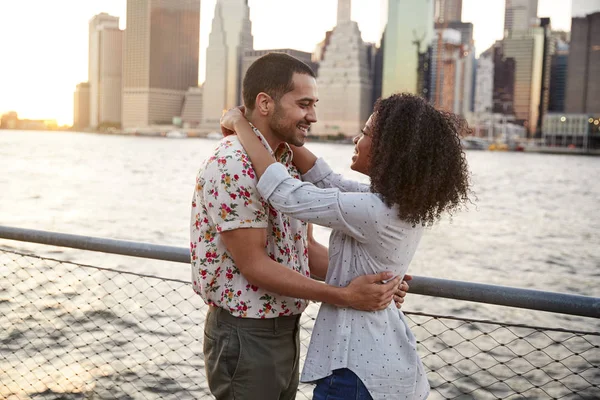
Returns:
point(318, 172)
point(273, 176)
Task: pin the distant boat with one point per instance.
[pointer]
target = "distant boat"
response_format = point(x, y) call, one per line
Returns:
point(176, 134)
point(215, 136)
point(474, 143)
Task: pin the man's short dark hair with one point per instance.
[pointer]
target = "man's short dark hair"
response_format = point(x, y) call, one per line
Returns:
point(272, 74)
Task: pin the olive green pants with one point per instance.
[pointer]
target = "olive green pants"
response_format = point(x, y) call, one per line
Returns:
point(248, 358)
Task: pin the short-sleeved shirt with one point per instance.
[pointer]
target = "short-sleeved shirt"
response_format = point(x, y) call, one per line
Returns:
point(368, 237)
point(226, 198)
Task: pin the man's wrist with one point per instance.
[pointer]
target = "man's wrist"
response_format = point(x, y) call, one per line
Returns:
point(341, 296)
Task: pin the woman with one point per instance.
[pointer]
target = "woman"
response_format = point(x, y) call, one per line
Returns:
point(417, 168)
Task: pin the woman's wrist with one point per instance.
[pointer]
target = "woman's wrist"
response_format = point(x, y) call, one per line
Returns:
point(239, 121)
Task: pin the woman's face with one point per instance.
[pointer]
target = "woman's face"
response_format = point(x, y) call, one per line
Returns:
point(362, 149)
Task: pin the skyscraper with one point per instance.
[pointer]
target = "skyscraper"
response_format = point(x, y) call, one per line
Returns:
point(161, 59)
point(409, 22)
point(448, 11)
point(520, 15)
point(105, 70)
point(81, 106)
point(484, 92)
point(558, 77)
point(230, 37)
point(344, 80)
point(451, 72)
point(526, 48)
point(583, 74)
point(462, 61)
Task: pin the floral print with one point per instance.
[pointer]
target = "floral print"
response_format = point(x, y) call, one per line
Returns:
point(226, 198)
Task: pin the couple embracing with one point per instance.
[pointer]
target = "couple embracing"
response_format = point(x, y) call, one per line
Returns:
point(254, 256)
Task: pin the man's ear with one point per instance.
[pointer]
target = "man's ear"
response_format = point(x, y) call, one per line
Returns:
point(264, 104)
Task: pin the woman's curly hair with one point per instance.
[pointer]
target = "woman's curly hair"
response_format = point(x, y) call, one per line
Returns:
point(417, 161)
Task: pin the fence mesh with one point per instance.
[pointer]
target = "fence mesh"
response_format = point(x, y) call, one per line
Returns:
point(72, 331)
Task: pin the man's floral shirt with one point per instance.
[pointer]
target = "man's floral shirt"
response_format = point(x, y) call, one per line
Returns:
point(225, 198)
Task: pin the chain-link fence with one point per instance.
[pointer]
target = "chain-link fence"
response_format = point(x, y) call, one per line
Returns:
point(72, 331)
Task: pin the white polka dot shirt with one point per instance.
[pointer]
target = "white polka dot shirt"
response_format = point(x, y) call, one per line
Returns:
point(367, 237)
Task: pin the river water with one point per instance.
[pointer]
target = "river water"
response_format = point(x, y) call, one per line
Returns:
point(533, 222)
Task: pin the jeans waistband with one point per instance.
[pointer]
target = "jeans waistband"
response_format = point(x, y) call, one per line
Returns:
point(285, 322)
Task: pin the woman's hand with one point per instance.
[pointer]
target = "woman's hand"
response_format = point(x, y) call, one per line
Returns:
point(230, 118)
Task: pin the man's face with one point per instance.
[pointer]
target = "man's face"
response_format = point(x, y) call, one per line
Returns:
point(295, 111)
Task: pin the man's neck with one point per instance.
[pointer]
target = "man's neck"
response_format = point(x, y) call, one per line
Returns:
point(263, 127)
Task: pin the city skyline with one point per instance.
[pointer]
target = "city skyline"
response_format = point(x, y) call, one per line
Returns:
point(57, 39)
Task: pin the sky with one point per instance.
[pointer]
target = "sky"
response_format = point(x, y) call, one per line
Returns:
point(44, 48)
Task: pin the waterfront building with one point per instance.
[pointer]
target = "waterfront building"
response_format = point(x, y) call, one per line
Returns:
point(447, 11)
point(191, 114)
point(503, 97)
point(520, 15)
point(526, 48)
point(558, 77)
point(409, 32)
point(344, 80)
point(105, 66)
point(549, 50)
point(452, 72)
point(583, 74)
point(81, 106)
point(161, 59)
point(9, 120)
point(230, 37)
point(484, 86)
point(571, 130)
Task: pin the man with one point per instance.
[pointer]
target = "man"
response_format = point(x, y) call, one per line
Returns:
point(251, 263)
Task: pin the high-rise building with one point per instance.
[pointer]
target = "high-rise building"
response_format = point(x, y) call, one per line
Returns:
point(230, 37)
point(191, 114)
point(408, 33)
point(527, 50)
point(549, 50)
point(484, 91)
point(161, 59)
point(558, 77)
point(520, 15)
point(451, 72)
point(378, 71)
point(583, 74)
point(448, 11)
point(344, 80)
point(503, 97)
point(81, 106)
point(105, 70)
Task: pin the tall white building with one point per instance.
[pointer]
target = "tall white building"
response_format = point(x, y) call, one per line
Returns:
point(409, 21)
point(105, 70)
point(161, 59)
point(344, 80)
point(520, 15)
point(484, 86)
point(230, 37)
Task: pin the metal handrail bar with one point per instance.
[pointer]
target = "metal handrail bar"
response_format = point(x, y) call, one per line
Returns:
point(476, 292)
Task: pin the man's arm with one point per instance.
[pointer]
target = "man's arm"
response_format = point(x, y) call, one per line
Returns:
point(318, 256)
point(247, 248)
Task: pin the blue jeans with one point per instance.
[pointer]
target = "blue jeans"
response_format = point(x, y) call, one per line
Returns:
point(343, 384)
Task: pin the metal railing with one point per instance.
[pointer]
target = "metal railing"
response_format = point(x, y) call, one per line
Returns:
point(78, 331)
